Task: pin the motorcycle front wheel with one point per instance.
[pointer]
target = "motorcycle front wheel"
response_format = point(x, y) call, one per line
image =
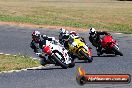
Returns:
point(90, 59)
point(117, 51)
point(58, 61)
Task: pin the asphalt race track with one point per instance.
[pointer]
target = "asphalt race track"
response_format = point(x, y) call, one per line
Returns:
point(15, 40)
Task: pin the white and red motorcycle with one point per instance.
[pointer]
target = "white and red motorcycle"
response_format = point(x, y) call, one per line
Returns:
point(57, 54)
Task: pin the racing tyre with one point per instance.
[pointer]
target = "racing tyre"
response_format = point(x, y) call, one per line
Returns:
point(116, 50)
point(59, 62)
point(71, 65)
point(90, 59)
point(98, 55)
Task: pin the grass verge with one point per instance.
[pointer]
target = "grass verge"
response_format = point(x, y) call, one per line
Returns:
point(112, 15)
point(10, 62)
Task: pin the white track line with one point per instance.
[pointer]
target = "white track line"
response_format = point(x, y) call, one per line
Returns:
point(33, 68)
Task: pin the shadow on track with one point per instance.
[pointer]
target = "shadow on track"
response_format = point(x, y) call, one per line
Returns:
point(81, 61)
point(106, 56)
point(48, 68)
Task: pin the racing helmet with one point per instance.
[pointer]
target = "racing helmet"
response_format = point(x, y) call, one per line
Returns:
point(36, 36)
point(92, 31)
point(63, 31)
point(73, 32)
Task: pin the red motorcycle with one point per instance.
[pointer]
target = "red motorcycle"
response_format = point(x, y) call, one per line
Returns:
point(110, 46)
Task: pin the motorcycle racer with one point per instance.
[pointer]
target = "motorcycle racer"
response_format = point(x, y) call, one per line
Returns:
point(64, 33)
point(95, 38)
point(37, 43)
point(77, 48)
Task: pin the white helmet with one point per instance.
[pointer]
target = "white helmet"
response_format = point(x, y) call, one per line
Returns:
point(36, 36)
point(92, 31)
point(63, 31)
point(35, 33)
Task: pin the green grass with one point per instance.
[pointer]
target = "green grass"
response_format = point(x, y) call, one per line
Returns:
point(10, 62)
point(112, 15)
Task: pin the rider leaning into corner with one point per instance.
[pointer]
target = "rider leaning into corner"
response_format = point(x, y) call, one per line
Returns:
point(37, 43)
point(95, 38)
point(64, 36)
point(64, 33)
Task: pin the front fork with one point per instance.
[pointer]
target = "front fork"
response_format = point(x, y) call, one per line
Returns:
point(89, 50)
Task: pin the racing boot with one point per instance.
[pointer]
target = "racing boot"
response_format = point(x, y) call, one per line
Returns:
point(99, 51)
point(43, 61)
